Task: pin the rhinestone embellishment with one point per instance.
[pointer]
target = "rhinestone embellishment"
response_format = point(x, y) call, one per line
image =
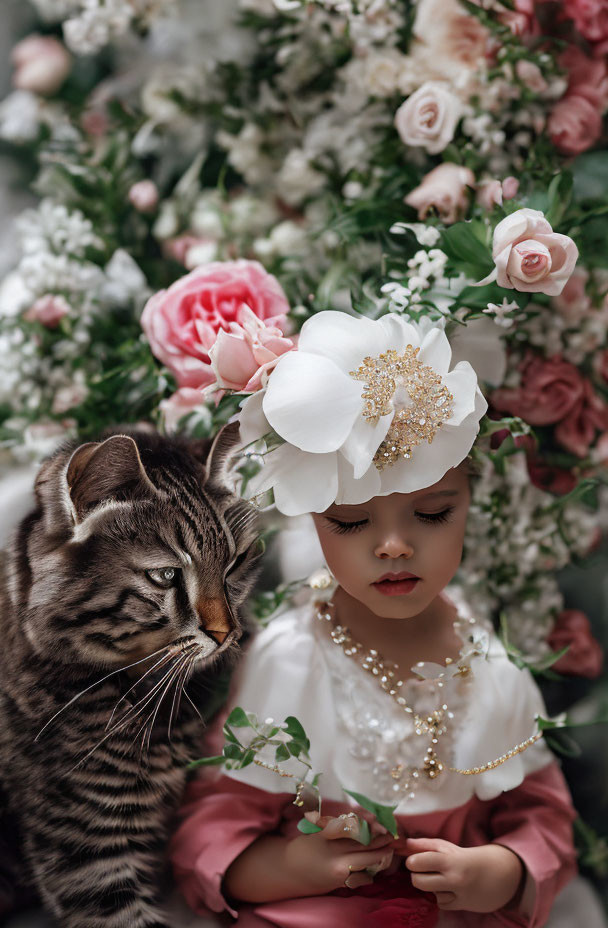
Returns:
point(413, 392)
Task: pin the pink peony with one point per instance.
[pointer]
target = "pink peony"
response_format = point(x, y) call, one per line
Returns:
point(49, 310)
point(143, 195)
point(182, 323)
point(549, 390)
point(584, 656)
point(444, 189)
point(243, 356)
point(574, 124)
point(179, 405)
point(576, 431)
point(41, 63)
point(590, 18)
point(530, 256)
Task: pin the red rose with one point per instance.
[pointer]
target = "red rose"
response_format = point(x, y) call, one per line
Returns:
point(548, 391)
point(576, 431)
point(182, 323)
point(551, 479)
point(584, 656)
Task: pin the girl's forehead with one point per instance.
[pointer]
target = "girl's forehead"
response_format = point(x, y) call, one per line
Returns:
point(443, 491)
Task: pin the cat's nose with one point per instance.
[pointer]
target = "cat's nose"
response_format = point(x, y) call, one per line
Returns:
point(215, 618)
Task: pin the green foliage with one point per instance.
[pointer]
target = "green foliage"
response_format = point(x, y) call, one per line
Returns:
point(384, 814)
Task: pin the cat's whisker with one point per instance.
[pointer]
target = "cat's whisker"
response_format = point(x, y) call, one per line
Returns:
point(97, 682)
point(148, 724)
point(183, 692)
point(127, 717)
point(180, 684)
point(166, 657)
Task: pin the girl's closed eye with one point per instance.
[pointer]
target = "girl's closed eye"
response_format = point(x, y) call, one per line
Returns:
point(435, 518)
point(343, 528)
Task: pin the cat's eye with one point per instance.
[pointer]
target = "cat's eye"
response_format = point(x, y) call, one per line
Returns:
point(164, 577)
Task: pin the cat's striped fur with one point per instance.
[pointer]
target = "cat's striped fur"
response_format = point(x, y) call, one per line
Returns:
point(94, 779)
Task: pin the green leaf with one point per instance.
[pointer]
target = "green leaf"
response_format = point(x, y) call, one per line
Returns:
point(560, 195)
point(294, 728)
point(591, 177)
point(562, 743)
point(464, 243)
point(308, 828)
point(365, 835)
point(238, 718)
point(233, 751)
point(281, 753)
point(548, 660)
point(384, 814)
point(206, 762)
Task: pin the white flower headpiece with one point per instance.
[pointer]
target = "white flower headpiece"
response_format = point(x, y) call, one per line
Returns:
point(365, 408)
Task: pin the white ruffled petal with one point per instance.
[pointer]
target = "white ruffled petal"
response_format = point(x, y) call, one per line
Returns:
point(363, 442)
point(311, 403)
point(435, 351)
point(352, 491)
point(302, 482)
point(252, 421)
point(462, 384)
point(344, 339)
point(398, 332)
point(429, 463)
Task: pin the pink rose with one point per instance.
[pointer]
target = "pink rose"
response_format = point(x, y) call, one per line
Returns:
point(530, 256)
point(576, 431)
point(574, 124)
point(590, 18)
point(41, 63)
point(522, 19)
point(144, 196)
point(531, 76)
point(587, 77)
point(428, 117)
point(179, 405)
point(573, 303)
point(68, 397)
point(243, 356)
point(49, 310)
point(584, 656)
point(549, 390)
point(190, 250)
point(444, 189)
point(182, 323)
point(491, 192)
point(510, 186)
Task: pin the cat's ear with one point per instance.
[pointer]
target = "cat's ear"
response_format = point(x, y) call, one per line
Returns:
point(216, 465)
point(101, 471)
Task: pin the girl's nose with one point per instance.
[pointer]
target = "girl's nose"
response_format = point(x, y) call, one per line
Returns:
point(393, 547)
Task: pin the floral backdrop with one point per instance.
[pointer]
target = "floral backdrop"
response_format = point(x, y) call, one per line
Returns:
point(209, 176)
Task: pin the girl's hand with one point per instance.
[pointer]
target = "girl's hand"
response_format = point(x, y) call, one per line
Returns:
point(323, 861)
point(473, 879)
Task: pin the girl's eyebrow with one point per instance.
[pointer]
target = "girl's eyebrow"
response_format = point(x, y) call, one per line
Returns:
point(441, 493)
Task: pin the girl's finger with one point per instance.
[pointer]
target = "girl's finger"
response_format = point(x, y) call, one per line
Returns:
point(417, 845)
point(356, 879)
point(426, 862)
point(430, 882)
point(363, 860)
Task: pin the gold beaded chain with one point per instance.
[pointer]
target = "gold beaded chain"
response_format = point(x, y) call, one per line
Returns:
point(434, 724)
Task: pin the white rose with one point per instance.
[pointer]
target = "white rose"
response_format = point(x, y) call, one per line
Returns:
point(428, 118)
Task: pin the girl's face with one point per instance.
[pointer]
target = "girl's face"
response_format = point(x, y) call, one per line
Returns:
point(395, 554)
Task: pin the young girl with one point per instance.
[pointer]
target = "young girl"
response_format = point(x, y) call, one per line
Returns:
point(405, 696)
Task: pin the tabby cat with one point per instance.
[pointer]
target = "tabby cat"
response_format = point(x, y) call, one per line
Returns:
point(124, 583)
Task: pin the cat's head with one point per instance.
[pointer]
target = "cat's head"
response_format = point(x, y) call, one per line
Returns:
point(137, 544)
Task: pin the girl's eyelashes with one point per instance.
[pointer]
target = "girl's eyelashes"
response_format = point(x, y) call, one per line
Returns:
point(435, 518)
point(430, 518)
point(343, 528)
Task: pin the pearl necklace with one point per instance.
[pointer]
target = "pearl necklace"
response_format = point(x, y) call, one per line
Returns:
point(433, 725)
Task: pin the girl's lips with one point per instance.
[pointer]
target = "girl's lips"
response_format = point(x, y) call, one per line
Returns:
point(396, 587)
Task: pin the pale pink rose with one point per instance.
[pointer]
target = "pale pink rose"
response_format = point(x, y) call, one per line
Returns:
point(574, 124)
point(182, 323)
point(48, 310)
point(573, 304)
point(143, 195)
point(67, 397)
point(190, 250)
point(243, 356)
point(443, 189)
point(510, 186)
point(590, 18)
point(41, 63)
point(584, 656)
point(182, 402)
point(549, 390)
point(576, 431)
point(531, 75)
point(530, 256)
point(489, 193)
point(95, 122)
point(428, 118)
